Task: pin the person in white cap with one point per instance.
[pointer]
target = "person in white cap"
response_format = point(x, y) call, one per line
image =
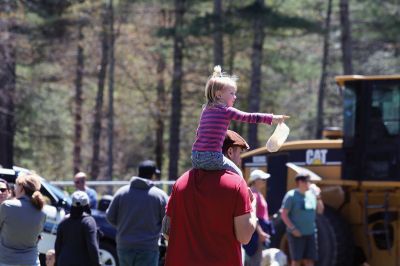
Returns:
point(260, 238)
point(76, 241)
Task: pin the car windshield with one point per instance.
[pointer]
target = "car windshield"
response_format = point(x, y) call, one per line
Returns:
point(60, 194)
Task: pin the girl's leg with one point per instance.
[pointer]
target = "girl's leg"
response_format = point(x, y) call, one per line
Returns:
point(231, 166)
point(208, 160)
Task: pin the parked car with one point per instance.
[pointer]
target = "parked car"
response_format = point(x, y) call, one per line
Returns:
point(59, 203)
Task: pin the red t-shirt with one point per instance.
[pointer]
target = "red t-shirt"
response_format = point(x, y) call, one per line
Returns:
point(202, 208)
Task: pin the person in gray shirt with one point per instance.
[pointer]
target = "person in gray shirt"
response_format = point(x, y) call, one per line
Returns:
point(21, 221)
point(137, 211)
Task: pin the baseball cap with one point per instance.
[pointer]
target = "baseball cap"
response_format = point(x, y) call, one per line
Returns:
point(258, 174)
point(79, 199)
point(234, 139)
point(148, 167)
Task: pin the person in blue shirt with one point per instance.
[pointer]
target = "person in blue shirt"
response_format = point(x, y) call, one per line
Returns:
point(80, 184)
point(299, 209)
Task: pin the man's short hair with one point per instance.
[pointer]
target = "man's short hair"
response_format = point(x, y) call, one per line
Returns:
point(233, 139)
point(302, 177)
point(80, 175)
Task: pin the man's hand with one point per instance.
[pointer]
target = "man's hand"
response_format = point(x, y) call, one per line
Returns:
point(296, 233)
point(276, 119)
point(262, 236)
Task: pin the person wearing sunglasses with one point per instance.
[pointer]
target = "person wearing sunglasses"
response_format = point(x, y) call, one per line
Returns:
point(5, 191)
point(21, 222)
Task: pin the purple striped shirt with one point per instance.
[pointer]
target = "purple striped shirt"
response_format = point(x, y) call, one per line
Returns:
point(214, 123)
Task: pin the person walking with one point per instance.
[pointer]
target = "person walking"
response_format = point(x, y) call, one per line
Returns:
point(21, 222)
point(298, 212)
point(80, 185)
point(137, 211)
point(76, 242)
point(209, 214)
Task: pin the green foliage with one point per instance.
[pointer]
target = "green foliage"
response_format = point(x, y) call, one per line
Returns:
point(46, 67)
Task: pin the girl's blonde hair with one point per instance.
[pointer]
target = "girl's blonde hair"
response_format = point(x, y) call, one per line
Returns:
point(217, 82)
point(30, 182)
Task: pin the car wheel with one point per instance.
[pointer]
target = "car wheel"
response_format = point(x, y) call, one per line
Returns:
point(108, 254)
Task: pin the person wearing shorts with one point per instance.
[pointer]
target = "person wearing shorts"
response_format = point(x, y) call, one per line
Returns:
point(299, 209)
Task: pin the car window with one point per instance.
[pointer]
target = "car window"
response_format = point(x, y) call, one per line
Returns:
point(57, 192)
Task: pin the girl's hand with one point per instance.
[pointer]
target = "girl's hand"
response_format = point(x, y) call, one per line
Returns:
point(276, 119)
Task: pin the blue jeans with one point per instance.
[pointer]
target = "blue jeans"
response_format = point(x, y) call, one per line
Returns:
point(212, 160)
point(138, 257)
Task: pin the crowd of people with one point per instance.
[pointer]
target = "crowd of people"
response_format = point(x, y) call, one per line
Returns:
point(212, 217)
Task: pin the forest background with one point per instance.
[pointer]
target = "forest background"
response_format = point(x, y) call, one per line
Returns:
point(98, 86)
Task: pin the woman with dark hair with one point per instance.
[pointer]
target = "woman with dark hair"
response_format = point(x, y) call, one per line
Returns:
point(5, 191)
point(76, 242)
point(21, 221)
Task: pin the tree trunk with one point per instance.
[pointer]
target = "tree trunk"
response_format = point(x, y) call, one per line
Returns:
point(256, 63)
point(176, 101)
point(98, 113)
point(218, 34)
point(159, 148)
point(111, 93)
point(346, 37)
point(324, 65)
point(7, 94)
point(77, 159)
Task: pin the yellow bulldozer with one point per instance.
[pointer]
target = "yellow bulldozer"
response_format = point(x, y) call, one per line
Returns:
point(359, 168)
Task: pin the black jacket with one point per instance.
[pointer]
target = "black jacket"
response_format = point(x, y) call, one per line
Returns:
point(76, 242)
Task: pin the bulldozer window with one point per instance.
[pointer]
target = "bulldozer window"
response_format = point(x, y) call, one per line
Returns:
point(382, 140)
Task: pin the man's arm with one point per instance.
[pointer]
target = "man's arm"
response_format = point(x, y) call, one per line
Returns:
point(291, 227)
point(112, 211)
point(320, 205)
point(166, 222)
point(245, 225)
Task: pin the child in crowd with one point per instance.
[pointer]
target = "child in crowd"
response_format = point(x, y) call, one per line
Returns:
point(51, 257)
point(220, 92)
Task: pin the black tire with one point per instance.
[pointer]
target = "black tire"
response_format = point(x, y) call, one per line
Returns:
point(335, 244)
point(108, 254)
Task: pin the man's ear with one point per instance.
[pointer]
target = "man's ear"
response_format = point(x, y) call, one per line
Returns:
point(229, 152)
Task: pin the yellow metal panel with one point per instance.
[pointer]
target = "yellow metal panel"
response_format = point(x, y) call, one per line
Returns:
point(299, 145)
point(342, 79)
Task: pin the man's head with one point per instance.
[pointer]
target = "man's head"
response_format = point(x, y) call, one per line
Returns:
point(80, 181)
point(233, 146)
point(147, 169)
point(303, 181)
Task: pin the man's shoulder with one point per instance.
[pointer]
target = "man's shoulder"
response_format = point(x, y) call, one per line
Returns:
point(223, 176)
point(90, 190)
point(158, 191)
point(291, 193)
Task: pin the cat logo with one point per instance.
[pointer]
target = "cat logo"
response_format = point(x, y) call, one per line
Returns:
point(316, 157)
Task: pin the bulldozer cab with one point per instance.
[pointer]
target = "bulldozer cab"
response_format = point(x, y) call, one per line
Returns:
point(371, 139)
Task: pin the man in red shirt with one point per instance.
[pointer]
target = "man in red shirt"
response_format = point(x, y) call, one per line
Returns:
point(209, 214)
